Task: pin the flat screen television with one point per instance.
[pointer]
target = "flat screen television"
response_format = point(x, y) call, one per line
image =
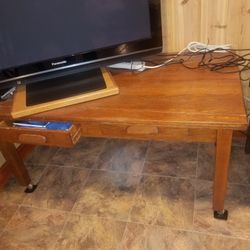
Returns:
point(51, 38)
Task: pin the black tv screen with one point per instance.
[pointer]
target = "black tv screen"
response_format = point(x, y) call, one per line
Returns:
point(40, 36)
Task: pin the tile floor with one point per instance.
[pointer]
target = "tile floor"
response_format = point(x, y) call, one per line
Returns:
point(120, 194)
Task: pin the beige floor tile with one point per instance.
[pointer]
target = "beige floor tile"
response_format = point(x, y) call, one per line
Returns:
point(41, 155)
point(237, 203)
point(13, 193)
point(239, 141)
point(164, 207)
point(123, 156)
point(83, 155)
point(141, 237)
point(164, 201)
point(82, 232)
point(107, 194)
point(6, 212)
point(58, 188)
point(36, 171)
point(206, 161)
point(239, 170)
point(171, 159)
point(32, 229)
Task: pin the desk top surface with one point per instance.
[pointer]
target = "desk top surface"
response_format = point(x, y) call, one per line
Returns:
point(169, 96)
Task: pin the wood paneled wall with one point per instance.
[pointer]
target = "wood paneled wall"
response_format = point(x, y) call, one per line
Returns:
point(208, 21)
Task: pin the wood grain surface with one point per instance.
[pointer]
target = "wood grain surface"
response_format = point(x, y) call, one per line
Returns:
point(169, 96)
point(208, 21)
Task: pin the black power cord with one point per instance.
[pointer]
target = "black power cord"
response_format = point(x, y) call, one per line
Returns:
point(213, 60)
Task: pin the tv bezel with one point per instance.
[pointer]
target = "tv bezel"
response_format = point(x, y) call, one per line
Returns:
point(95, 58)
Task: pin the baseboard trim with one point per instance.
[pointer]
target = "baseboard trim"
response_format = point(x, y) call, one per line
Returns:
point(5, 172)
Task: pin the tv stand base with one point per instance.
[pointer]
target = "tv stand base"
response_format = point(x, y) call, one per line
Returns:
point(47, 95)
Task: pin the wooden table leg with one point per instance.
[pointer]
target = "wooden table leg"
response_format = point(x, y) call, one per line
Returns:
point(247, 147)
point(17, 166)
point(223, 152)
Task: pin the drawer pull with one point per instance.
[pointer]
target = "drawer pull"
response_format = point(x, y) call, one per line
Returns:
point(32, 139)
point(142, 130)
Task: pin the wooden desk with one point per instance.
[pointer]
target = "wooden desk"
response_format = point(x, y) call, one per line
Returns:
point(170, 103)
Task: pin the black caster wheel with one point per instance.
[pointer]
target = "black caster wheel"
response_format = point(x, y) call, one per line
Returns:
point(221, 215)
point(30, 188)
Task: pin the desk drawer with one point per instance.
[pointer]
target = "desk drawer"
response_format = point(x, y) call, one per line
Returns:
point(147, 132)
point(60, 138)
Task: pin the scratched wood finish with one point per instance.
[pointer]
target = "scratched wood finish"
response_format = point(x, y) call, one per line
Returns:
point(209, 21)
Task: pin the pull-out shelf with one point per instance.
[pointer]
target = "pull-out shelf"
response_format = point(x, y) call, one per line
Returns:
point(40, 136)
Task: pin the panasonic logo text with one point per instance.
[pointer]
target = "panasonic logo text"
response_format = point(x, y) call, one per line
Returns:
point(58, 63)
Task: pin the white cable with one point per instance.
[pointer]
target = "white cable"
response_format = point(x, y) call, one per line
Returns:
point(159, 65)
point(247, 99)
point(194, 47)
point(166, 62)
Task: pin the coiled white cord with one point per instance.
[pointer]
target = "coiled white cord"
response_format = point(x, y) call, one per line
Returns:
point(247, 99)
point(194, 47)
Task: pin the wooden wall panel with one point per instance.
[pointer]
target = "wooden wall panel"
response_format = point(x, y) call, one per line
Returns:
point(182, 23)
point(243, 16)
point(208, 21)
point(213, 21)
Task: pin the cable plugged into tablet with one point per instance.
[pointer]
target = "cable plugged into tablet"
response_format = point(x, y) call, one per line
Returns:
point(9, 93)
